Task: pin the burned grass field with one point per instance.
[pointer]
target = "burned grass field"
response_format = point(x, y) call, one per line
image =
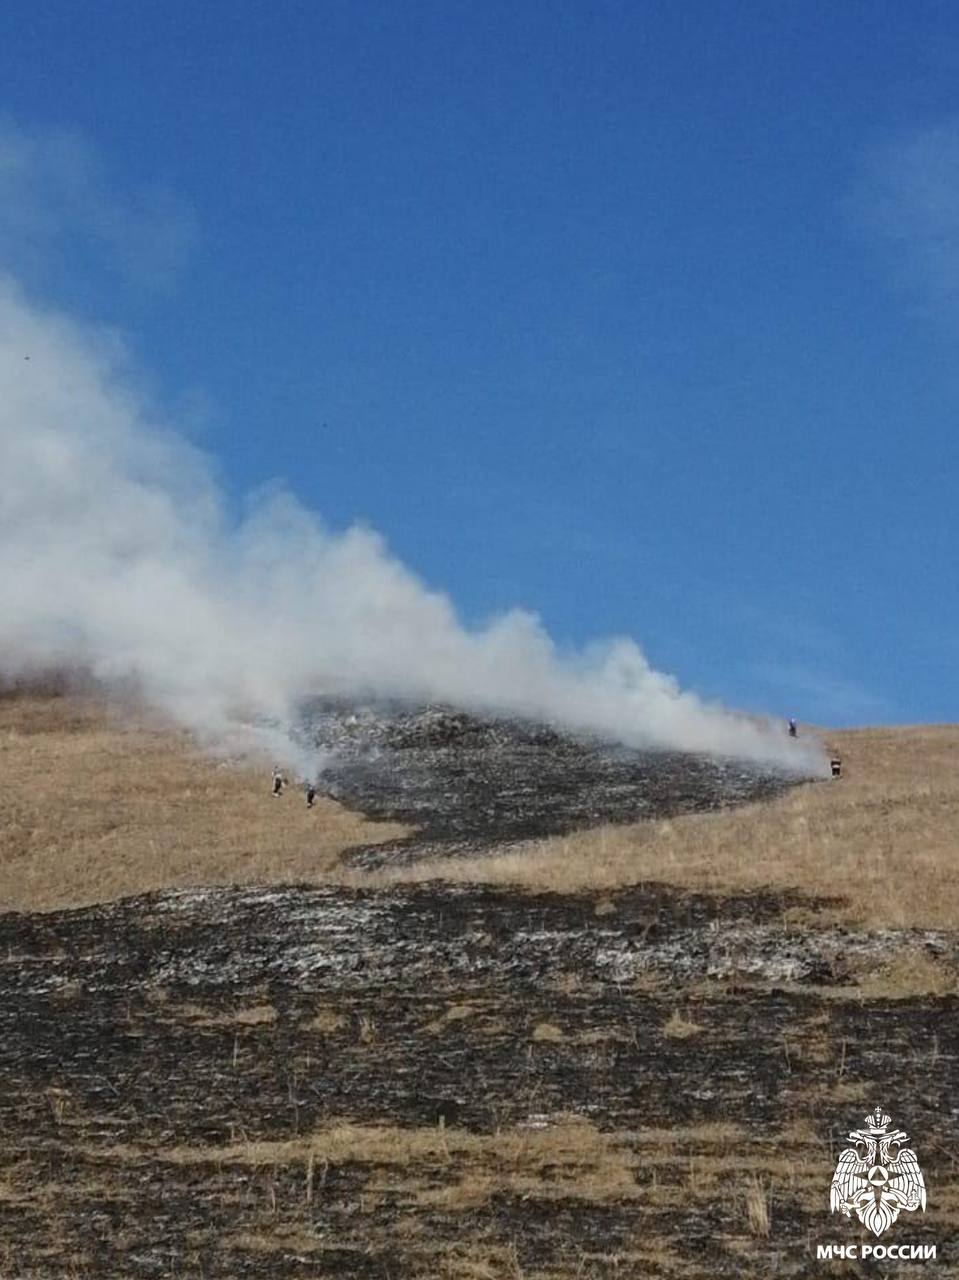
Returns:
point(443, 1081)
point(465, 783)
point(364, 1077)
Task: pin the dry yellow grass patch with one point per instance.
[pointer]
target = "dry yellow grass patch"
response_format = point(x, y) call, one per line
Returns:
point(679, 1028)
point(568, 1141)
point(909, 972)
point(547, 1031)
point(458, 1012)
point(327, 1021)
point(455, 1170)
point(716, 1135)
point(757, 1206)
point(885, 838)
point(857, 1091)
point(198, 1016)
point(93, 808)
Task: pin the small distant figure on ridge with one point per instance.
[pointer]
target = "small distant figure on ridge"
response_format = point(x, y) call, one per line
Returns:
point(277, 782)
point(835, 765)
point(791, 725)
point(310, 795)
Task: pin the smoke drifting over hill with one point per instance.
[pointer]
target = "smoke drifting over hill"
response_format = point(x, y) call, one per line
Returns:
point(117, 556)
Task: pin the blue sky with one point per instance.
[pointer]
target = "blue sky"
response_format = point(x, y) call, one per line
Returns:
point(642, 316)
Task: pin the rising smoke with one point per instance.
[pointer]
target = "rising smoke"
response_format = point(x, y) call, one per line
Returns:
point(117, 557)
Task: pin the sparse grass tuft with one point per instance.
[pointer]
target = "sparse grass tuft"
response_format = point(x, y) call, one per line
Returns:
point(758, 1212)
point(327, 1021)
point(680, 1028)
point(547, 1031)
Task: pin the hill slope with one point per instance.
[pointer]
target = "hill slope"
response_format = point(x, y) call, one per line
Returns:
point(94, 807)
point(579, 1071)
point(884, 839)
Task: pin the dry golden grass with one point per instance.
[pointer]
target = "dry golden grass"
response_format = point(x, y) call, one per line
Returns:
point(197, 1016)
point(327, 1021)
point(458, 1012)
point(679, 1028)
point(569, 1158)
point(94, 808)
point(514, 1157)
point(547, 1032)
point(909, 971)
point(454, 1170)
point(565, 1139)
point(757, 1206)
point(885, 838)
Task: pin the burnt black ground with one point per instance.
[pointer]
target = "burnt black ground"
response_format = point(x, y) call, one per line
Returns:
point(468, 783)
point(123, 1041)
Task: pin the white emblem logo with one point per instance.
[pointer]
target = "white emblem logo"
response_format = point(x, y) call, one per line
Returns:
point(877, 1177)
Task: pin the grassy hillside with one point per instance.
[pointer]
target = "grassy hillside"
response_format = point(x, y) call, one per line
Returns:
point(884, 839)
point(94, 808)
point(612, 1057)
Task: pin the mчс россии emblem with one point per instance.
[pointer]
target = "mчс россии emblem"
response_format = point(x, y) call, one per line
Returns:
point(877, 1177)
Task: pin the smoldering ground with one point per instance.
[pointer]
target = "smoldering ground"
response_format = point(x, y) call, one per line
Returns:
point(468, 784)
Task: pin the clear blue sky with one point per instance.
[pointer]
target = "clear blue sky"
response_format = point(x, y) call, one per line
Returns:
point(641, 315)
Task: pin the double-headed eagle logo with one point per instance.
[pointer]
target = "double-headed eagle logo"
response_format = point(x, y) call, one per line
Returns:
point(877, 1177)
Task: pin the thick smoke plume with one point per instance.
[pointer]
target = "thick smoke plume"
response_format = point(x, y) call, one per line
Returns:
point(117, 556)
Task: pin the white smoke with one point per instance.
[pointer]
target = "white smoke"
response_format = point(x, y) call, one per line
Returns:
point(117, 556)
